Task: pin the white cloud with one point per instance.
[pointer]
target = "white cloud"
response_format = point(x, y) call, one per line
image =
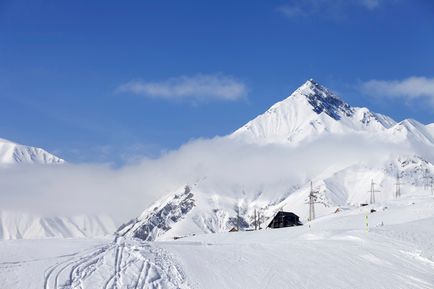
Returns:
point(291, 11)
point(228, 166)
point(370, 4)
point(411, 88)
point(196, 88)
point(296, 8)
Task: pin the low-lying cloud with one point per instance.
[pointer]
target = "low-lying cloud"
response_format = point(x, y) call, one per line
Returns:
point(409, 89)
point(196, 88)
point(229, 167)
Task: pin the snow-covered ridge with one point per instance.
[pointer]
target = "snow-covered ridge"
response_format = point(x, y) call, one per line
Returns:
point(24, 225)
point(178, 215)
point(19, 225)
point(323, 100)
point(311, 111)
point(430, 128)
point(158, 219)
point(13, 153)
point(314, 110)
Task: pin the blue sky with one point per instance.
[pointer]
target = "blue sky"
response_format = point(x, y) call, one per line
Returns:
point(105, 81)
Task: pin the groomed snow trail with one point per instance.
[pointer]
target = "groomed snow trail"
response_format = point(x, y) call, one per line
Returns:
point(124, 263)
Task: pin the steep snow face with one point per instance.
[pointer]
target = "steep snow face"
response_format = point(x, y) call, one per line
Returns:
point(412, 130)
point(310, 111)
point(160, 217)
point(12, 153)
point(16, 225)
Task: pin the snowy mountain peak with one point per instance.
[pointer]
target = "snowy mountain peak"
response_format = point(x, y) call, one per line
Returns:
point(13, 153)
point(323, 100)
point(311, 110)
point(414, 130)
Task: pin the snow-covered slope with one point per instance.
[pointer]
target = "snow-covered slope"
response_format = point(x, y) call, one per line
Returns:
point(350, 187)
point(13, 153)
point(430, 129)
point(15, 225)
point(310, 112)
point(313, 110)
point(394, 250)
point(160, 218)
point(413, 130)
point(197, 209)
point(23, 225)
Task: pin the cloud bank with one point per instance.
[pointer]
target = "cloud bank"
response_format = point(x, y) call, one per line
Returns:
point(196, 88)
point(230, 168)
point(409, 89)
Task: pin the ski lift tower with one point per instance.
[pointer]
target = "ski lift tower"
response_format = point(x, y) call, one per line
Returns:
point(427, 184)
point(373, 191)
point(312, 201)
point(398, 186)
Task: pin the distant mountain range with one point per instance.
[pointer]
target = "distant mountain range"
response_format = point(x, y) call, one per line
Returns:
point(313, 110)
point(13, 153)
point(23, 225)
point(307, 115)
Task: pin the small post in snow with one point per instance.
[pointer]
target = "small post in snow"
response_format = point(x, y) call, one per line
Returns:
point(432, 186)
point(312, 200)
point(398, 187)
point(428, 180)
point(373, 191)
point(256, 222)
point(366, 223)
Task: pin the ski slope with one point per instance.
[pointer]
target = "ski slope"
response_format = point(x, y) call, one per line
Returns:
point(396, 250)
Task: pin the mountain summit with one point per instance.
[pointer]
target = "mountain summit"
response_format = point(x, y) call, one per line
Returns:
point(323, 100)
point(310, 111)
point(13, 153)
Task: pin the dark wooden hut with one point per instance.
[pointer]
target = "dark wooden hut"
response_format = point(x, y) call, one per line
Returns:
point(285, 219)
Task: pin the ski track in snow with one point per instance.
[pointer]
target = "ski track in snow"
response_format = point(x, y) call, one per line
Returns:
point(156, 268)
point(53, 273)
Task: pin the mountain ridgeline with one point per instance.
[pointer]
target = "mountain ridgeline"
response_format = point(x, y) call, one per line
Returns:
point(25, 225)
point(308, 114)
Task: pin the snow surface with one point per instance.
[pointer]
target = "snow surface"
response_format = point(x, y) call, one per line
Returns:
point(430, 128)
point(204, 209)
point(13, 153)
point(311, 111)
point(23, 225)
point(396, 250)
point(18, 225)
